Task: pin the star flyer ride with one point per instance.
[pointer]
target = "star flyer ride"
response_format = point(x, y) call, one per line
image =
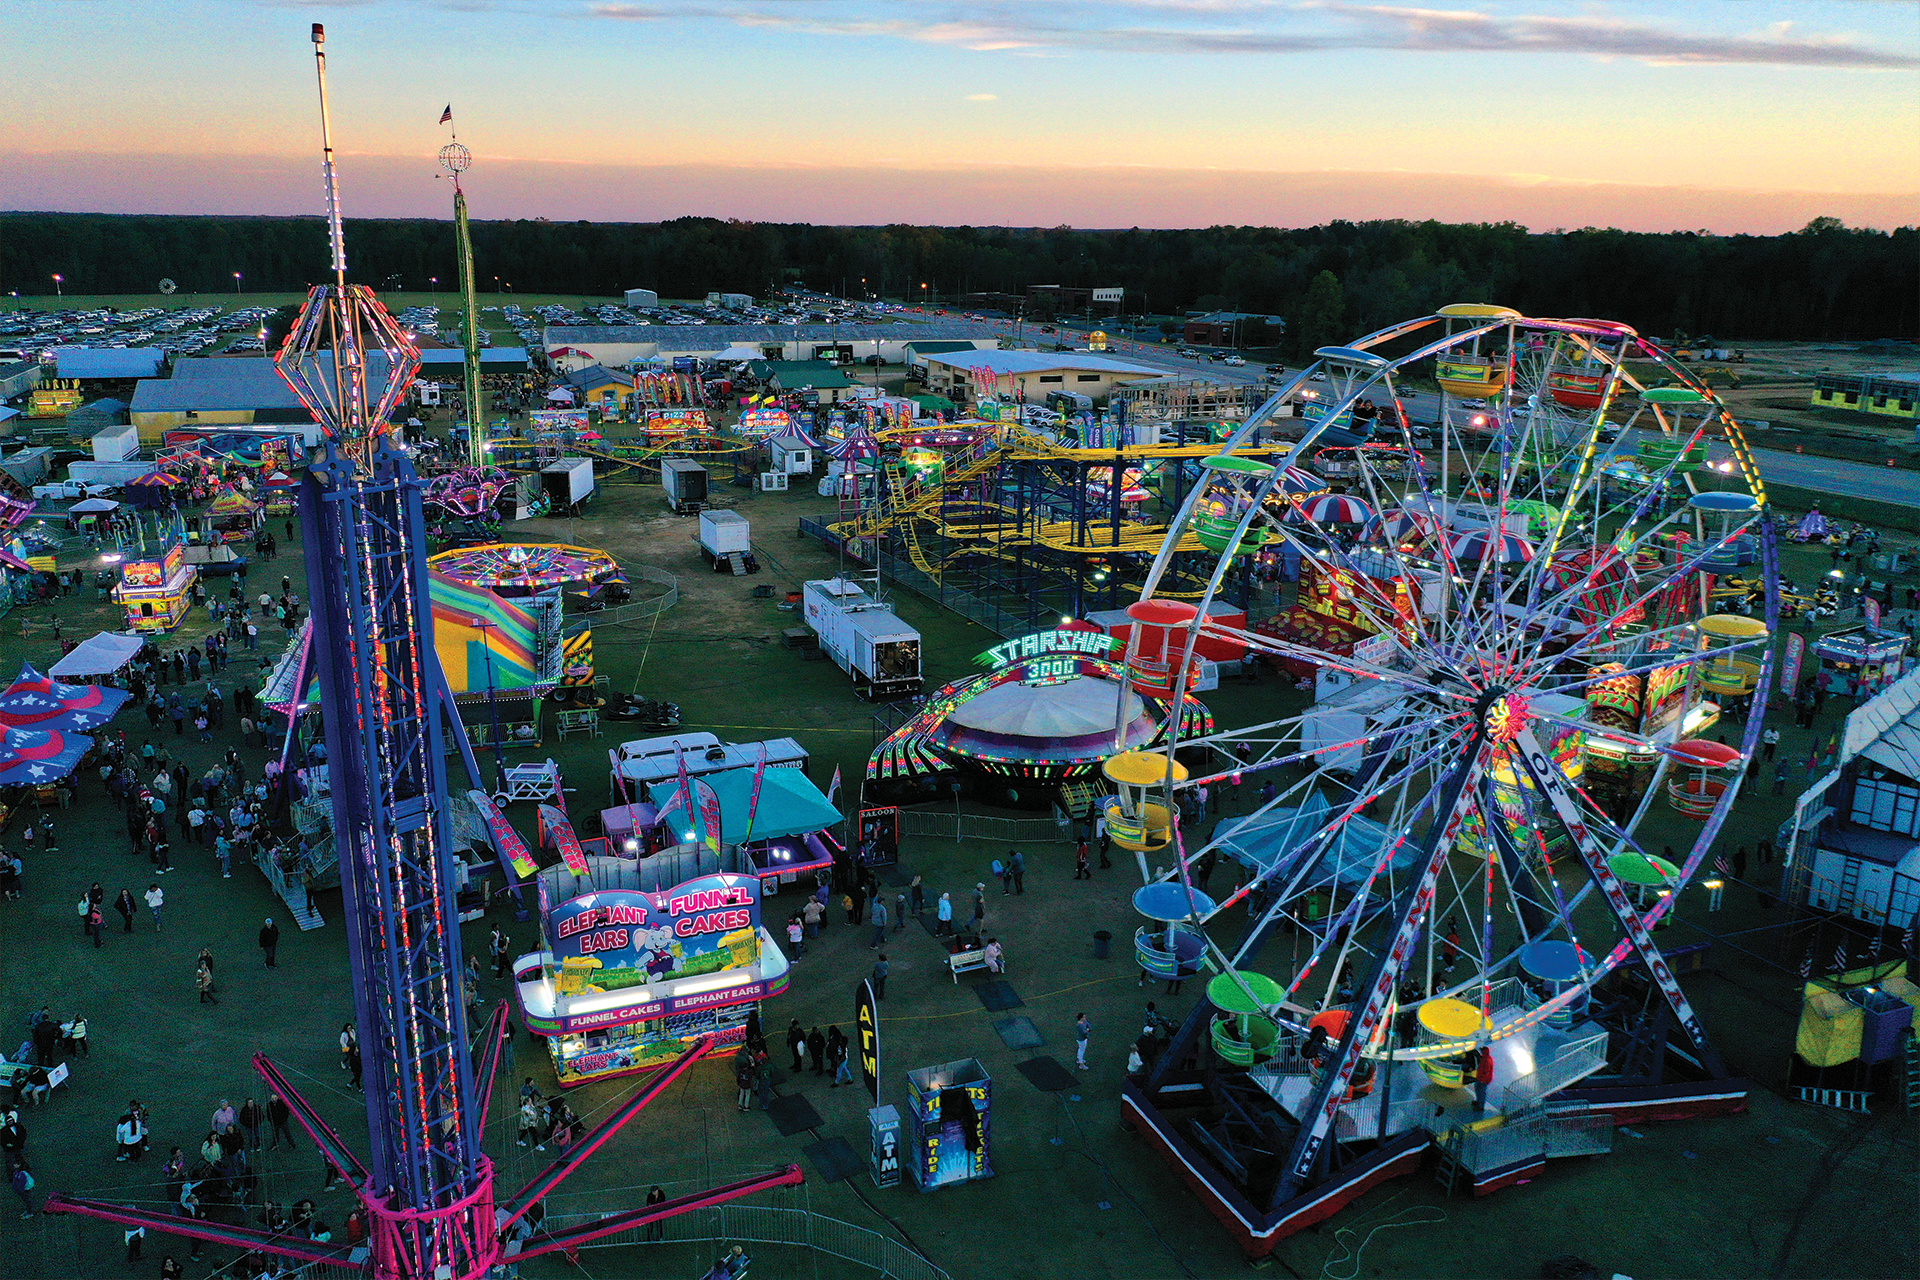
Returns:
point(1459, 886)
point(426, 1187)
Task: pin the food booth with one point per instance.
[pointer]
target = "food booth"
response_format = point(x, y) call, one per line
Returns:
point(1861, 660)
point(641, 957)
point(157, 592)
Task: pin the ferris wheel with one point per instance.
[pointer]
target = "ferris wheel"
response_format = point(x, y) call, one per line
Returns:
point(1517, 627)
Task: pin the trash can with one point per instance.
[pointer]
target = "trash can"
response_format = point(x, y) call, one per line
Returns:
point(1102, 944)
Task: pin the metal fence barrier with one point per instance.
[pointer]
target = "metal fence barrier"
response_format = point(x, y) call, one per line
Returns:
point(748, 1224)
point(640, 610)
point(973, 826)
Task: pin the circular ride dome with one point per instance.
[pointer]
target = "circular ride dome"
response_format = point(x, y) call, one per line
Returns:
point(524, 568)
point(1540, 627)
point(1015, 725)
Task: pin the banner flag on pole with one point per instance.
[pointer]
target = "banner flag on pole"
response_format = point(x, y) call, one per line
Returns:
point(446, 117)
point(753, 797)
point(835, 787)
point(866, 1022)
point(684, 796)
point(709, 814)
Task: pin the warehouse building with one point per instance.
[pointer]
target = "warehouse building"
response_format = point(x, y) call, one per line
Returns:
point(645, 299)
point(109, 364)
point(246, 391)
point(617, 346)
point(450, 362)
point(829, 385)
point(1029, 375)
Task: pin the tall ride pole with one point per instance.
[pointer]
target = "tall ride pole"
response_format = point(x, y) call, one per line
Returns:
point(455, 159)
point(425, 1187)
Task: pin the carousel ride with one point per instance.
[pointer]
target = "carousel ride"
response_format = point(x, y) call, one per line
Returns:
point(1450, 873)
point(527, 568)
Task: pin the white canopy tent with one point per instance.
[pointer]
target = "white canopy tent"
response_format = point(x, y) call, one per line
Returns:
point(100, 655)
point(93, 507)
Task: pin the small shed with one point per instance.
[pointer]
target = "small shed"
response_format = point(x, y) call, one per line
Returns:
point(91, 418)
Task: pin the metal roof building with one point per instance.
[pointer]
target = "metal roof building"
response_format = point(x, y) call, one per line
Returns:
point(212, 391)
point(623, 344)
point(109, 363)
point(450, 362)
point(1031, 375)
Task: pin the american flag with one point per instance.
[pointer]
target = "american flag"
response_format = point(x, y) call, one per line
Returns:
point(1840, 958)
point(446, 117)
point(1720, 864)
point(1806, 964)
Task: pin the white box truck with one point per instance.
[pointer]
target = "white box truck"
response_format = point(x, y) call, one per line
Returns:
point(1335, 729)
point(726, 541)
point(568, 484)
point(864, 637)
point(116, 444)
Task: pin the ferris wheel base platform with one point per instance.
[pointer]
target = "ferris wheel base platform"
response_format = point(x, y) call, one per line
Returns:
point(1581, 1123)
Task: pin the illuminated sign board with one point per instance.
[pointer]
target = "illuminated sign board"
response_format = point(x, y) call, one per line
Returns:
point(1042, 644)
point(611, 939)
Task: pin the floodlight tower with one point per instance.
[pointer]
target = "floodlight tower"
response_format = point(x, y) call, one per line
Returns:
point(455, 159)
point(426, 1187)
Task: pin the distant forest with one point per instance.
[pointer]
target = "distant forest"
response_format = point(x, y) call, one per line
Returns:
point(1826, 281)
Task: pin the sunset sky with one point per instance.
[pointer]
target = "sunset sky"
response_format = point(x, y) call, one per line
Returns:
point(1731, 116)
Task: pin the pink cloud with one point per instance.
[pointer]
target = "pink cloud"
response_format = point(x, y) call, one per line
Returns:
point(389, 186)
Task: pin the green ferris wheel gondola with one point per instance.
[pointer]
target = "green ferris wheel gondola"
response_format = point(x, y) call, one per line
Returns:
point(1217, 519)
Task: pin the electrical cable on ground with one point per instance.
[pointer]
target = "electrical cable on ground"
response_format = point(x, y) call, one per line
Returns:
point(1344, 1234)
point(1107, 1174)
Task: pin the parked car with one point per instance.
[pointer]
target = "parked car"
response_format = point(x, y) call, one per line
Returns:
point(1235, 361)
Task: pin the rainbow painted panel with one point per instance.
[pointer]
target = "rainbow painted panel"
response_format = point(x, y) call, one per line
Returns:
point(483, 640)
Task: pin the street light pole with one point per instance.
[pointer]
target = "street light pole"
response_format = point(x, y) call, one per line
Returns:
point(236, 284)
point(58, 291)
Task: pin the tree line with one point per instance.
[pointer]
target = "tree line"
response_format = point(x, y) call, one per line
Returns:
point(1825, 281)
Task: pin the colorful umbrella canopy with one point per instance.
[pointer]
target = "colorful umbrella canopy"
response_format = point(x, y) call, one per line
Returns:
point(858, 445)
point(1297, 482)
point(40, 755)
point(1336, 508)
point(1480, 544)
point(42, 702)
point(1398, 526)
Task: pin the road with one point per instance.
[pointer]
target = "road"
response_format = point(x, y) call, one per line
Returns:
point(1803, 471)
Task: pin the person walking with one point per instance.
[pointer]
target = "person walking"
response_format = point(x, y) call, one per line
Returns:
point(498, 947)
point(811, 914)
point(1769, 742)
point(657, 1229)
point(817, 1050)
point(943, 912)
point(252, 1117)
point(203, 981)
point(270, 939)
point(879, 918)
point(797, 1044)
point(979, 906)
point(880, 970)
point(22, 1183)
point(838, 1050)
point(743, 1076)
point(1082, 1033)
point(919, 893)
point(1019, 864)
point(1004, 868)
point(859, 897)
point(127, 908)
point(529, 1124)
point(95, 923)
point(1082, 870)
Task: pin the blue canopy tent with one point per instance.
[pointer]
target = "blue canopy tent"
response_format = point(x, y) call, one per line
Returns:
point(790, 805)
point(789, 826)
point(1275, 844)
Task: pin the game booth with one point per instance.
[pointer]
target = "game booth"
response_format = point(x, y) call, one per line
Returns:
point(642, 956)
point(156, 592)
point(1861, 660)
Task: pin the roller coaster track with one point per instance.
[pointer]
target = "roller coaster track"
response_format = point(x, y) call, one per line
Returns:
point(902, 509)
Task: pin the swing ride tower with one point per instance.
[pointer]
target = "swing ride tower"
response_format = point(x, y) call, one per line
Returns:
point(426, 1189)
point(456, 159)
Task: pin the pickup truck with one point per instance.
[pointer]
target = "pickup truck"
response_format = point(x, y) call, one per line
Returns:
point(65, 490)
point(215, 559)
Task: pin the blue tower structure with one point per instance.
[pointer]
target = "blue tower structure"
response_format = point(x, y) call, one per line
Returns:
point(426, 1186)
